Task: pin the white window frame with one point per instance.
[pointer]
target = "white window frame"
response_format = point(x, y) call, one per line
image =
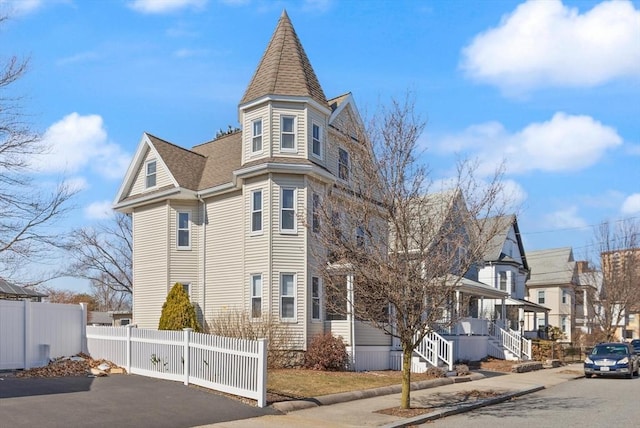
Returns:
point(255, 136)
point(565, 296)
point(147, 176)
point(316, 298)
point(541, 293)
point(287, 296)
point(256, 295)
point(283, 133)
point(186, 286)
point(341, 167)
point(256, 211)
point(502, 275)
point(179, 229)
point(563, 323)
point(317, 140)
point(292, 209)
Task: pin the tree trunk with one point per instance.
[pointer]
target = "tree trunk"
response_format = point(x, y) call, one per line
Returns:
point(405, 399)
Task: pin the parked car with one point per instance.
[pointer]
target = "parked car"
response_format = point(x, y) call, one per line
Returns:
point(612, 359)
point(636, 346)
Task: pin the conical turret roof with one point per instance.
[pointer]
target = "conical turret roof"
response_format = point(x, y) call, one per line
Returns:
point(284, 68)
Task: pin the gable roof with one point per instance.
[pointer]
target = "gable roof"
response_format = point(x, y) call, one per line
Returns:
point(284, 68)
point(184, 165)
point(12, 291)
point(552, 266)
point(499, 227)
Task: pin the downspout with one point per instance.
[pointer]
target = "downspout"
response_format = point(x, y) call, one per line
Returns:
point(352, 322)
point(203, 255)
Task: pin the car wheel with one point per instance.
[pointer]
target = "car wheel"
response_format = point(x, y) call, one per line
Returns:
point(587, 376)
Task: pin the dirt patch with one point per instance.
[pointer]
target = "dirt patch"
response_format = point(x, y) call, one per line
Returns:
point(77, 365)
point(436, 401)
point(495, 365)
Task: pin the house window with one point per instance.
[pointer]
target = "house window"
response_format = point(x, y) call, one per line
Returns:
point(287, 296)
point(565, 296)
point(360, 235)
point(541, 323)
point(316, 140)
point(256, 296)
point(150, 171)
point(184, 230)
point(187, 288)
point(503, 281)
point(315, 215)
point(563, 324)
point(287, 211)
point(541, 297)
point(343, 164)
point(256, 211)
point(256, 138)
point(287, 134)
point(315, 298)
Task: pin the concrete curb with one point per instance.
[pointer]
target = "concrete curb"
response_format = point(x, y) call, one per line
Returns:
point(343, 397)
point(461, 408)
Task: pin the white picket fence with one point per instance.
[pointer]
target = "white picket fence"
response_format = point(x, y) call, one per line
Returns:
point(33, 332)
point(234, 366)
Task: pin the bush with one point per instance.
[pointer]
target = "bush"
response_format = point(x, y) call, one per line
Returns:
point(326, 352)
point(178, 312)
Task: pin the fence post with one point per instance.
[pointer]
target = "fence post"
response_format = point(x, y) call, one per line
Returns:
point(262, 372)
point(27, 334)
point(128, 348)
point(185, 354)
point(83, 329)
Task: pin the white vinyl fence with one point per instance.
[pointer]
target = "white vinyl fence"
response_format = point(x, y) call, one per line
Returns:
point(33, 332)
point(230, 365)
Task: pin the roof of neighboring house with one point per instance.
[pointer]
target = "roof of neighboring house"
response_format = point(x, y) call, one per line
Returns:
point(284, 68)
point(14, 291)
point(97, 317)
point(499, 227)
point(552, 266)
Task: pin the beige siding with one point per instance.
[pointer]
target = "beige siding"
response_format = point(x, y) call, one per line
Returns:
point(163, 178)
point(183, 264)
point(367, 335)
point(261, 112)
point(150, 278)
point(225, 257)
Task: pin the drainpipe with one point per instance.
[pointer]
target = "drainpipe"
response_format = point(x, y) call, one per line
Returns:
point(203, 244)
point(352, 322)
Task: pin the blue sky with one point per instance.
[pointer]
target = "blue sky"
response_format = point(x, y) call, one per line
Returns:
point(551, 86)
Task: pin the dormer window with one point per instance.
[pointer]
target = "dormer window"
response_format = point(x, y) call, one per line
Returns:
point(256, 137)
point(287, 134)
point(150, 173)
point(316, 140)
point(343, 164)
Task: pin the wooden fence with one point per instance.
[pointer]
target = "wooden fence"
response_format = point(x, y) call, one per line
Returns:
point(234, 366)
point(33, 332)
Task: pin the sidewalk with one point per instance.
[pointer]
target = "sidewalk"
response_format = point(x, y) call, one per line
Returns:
point(446, 399)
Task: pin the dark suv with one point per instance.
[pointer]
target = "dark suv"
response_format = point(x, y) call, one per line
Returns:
point(612, 359)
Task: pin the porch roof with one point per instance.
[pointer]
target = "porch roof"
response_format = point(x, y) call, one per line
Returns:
point(527, 305)
point(475, 288)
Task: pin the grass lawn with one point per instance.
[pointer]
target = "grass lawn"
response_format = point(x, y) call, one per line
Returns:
point(301, 383)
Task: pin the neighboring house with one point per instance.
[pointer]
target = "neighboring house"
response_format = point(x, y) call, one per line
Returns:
point(553, 281)
point(109, 318)
point(10, 291)
point(621, 283)
point(228, 218)
point(587, 292)
point(505, 268)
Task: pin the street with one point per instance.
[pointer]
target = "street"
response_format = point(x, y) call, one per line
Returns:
point(598, 402)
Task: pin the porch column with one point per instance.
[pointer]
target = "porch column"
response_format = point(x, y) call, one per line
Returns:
point(351, 319)
point(503, 315)
point(457, 314)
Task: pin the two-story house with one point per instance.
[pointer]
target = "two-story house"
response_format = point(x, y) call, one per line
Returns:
point(553, 281)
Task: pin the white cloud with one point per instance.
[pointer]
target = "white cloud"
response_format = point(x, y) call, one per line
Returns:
point(76, 142)
point(547, 44)
point(20, 7)
point(563, 143)
point(631, 204)
point(567, 218)
point(165, 6)
point(99, 210)
point(76, 184)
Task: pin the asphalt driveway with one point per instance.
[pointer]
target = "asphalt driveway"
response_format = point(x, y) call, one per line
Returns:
point(114, 401)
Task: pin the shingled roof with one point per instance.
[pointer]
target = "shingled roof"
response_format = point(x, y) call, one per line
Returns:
point(553, 266)
point(284, 68)
point(185, 165)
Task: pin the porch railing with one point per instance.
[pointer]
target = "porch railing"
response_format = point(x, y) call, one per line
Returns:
point(512, 341)
point(435, 348)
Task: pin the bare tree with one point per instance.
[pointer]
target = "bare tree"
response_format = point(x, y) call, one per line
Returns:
point(26, 214)
point(103, 254)
point(108, 299)
point(618, 254)
point(55, 295)
point(392, 244)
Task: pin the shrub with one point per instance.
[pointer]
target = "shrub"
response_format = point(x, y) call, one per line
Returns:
point(326, 352)
point(178, 312)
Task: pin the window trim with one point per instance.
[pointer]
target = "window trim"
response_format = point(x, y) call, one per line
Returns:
point(346, 168)
point(565, 297)
point(179, 229)
point(254, 136)
point(316, 298)
point(254, 296)
point(541, 293)
point(292, 296)
point(154, 175)
point(502, 275)
point(319, 140)
point(186, 286)
point(293, 132)
point(255, 211)
point(294, 230)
